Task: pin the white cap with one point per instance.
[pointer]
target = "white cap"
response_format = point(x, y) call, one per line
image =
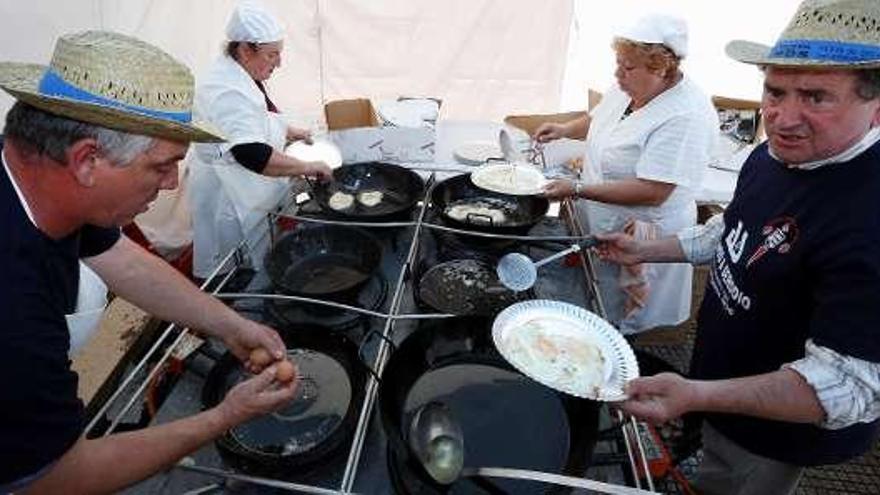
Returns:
point(251, 22)
point(659, 28)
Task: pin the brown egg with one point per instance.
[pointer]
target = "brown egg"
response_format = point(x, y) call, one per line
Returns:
point(285, 372)
point(260, 357)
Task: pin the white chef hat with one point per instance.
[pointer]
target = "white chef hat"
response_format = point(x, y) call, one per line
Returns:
point(251, 22)
point(659, 28)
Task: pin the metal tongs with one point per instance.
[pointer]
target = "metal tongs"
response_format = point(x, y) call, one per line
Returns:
point(534, 154)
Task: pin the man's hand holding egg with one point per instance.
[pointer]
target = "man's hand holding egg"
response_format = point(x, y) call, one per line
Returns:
point(285, 371)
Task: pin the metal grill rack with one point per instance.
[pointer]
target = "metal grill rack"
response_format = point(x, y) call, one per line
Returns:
point(130, 391)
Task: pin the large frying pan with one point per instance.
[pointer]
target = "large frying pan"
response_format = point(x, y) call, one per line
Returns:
point(506, 418)
point(521, 213)
point(400, 189)
point(465, 287)
point(323, 261)
point(316, 427)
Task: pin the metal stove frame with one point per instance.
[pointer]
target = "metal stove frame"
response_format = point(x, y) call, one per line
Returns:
point(238, 257)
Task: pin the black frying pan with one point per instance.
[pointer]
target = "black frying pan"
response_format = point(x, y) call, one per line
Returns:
point(506, 418)
point(400, 189)
point(320, 420)
point(520, 213)
point(323, 261)
point(465, 287)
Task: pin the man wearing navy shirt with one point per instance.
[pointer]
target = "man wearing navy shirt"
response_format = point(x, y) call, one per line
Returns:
point(88, 145)
point(786, 364)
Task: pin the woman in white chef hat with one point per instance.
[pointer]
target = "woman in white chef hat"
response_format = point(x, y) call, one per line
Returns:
point(648, 142)
point(233, 184)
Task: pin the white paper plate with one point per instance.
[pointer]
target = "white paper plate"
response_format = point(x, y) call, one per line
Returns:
point(476, 152)
point(520, 179)
point(559, 320)
point(323, 151)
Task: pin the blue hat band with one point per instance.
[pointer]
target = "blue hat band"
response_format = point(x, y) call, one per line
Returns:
point(828, 51)
point(54, 86)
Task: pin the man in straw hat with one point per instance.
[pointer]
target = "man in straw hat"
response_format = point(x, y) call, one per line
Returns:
point(785, 365)
point(89, 143)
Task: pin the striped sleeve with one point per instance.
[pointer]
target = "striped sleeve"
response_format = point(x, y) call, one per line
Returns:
point(847, 387)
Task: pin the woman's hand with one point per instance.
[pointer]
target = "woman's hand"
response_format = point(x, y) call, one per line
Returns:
point(559, 189)
point(318, 169)
point(297, 134)
point(549, 131)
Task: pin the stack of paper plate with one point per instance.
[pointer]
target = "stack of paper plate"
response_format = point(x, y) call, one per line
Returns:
point(476, 152)
point(323, 151)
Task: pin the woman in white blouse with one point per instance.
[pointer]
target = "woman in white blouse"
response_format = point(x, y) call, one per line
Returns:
point(648, 143)
point(233, 184)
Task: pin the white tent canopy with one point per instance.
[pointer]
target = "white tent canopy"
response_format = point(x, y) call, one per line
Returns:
point(484, 58)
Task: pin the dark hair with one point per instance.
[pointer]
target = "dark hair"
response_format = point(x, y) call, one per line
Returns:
point(42, 133)
point(232, 47)
point(868, 83)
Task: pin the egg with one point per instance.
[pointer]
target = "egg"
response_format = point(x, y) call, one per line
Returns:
point(260, 357)
point(370, 198)
point(341, 201)
point(285, 372)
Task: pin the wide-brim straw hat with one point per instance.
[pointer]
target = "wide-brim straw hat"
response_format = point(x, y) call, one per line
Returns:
point(822, 34)
point(113, 81)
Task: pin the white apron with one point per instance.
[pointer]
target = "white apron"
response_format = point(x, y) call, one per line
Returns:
point(618, 149)
point(226, 199)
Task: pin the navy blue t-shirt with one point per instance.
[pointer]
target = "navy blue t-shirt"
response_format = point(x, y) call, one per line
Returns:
point(799, 259)
point(41, 414)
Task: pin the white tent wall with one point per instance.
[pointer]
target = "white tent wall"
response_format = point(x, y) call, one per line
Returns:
point(484, 58)
point(711, 24)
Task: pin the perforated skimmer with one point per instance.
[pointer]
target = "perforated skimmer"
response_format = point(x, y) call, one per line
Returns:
point(518, 272)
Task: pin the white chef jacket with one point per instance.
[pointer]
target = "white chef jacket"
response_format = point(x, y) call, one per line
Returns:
point(668, 140)
point(227, 200)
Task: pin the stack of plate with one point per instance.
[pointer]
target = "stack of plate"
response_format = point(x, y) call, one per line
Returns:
point(476, 152)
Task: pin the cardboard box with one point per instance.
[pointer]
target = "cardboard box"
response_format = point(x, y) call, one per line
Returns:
point(363, 137)
point(385, 144)
point(349, 114)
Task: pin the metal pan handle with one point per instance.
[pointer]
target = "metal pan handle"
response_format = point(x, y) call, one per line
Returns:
point(472, 215)
point(362, 358)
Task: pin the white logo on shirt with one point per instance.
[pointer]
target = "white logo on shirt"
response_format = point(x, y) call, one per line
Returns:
point(736, 242)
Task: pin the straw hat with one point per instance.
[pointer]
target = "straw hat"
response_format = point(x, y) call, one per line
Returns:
point(822, 33)
point(114, 81)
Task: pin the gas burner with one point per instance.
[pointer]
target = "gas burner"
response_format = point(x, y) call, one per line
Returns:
point(293, 313)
